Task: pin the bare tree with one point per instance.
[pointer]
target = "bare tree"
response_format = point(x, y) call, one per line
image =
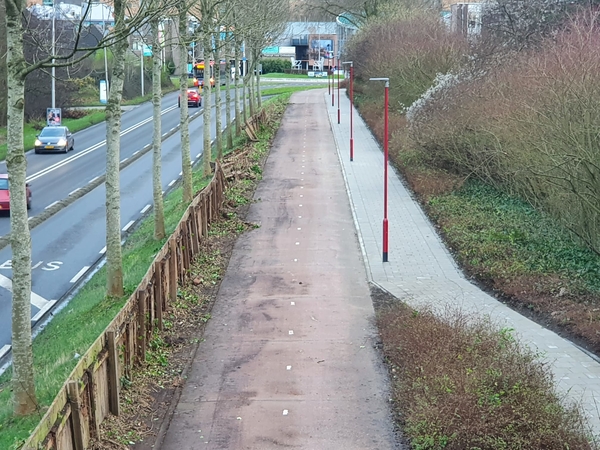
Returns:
point(24, 398)
point(186, 160)
point(159, 213)
point(18, 68)
point(207, 47)
point(217, 70)
point(357, 12)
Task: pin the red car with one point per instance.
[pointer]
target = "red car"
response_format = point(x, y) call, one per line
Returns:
point(5, 194)
point(194, 98)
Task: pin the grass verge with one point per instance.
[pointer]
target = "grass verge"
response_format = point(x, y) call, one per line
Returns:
point(461, 382)
point(57, 348)
point(287, 90)
point(284, 75)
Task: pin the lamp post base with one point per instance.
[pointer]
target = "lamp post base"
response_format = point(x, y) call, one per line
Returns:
point(385, 240)
point(351, 149)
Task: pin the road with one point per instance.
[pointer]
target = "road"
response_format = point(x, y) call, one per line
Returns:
point(69, 243)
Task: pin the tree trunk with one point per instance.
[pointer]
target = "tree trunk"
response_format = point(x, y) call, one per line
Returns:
point(206, 154)
point(228, 124)
point(236, 82)
point(258, 96)
point(184, 120)
point(159, 212)
point(251, 94)
point(218, 120)
point(23, 384)
point(114, 261)
point(3, 74)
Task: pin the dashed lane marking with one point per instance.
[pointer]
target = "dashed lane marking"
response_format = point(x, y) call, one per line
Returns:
point(79, 274)
point(51, 205)
point(172, 183)
point(72, 192)
point(103, 251)
point(146, 208)
point(4, 350)
point(128, 226)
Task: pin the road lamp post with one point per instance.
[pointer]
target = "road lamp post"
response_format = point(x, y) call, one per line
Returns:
point(351, 107)
point(53, 53)
point(338, 88)
point(385, 165)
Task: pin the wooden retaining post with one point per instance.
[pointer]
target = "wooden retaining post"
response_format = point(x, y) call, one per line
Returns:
point(92, 392)
point(172, 269)
point(76, 418)
point(158, 297)
point(113, 373)
point(141, 332)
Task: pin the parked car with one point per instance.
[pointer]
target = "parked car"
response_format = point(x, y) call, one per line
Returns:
point(194, 98)
point(5, 193)
point(54, 139)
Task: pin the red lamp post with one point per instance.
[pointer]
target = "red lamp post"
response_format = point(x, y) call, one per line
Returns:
point(333, 86)
point(385, 165)
point(328, 78)
point(351, 107)
point(338, 88)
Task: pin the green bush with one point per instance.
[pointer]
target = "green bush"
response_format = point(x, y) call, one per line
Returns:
point(275, 65)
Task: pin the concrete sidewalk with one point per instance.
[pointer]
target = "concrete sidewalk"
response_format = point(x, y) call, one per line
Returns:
point(421, 271)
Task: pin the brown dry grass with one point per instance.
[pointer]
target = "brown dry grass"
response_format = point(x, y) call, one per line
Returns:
point(460, 382)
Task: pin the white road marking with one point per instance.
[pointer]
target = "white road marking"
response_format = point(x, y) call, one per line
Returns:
point(36, 300)
point(103, 251)
point(198, 155)
point(51, 205)
point(72, 192)
point(291, 332)
point(29, 218)
point(43, 311)
point(135, 153)
point(92, 180)
point(4, 350)
point(82, 153)
point(172, 183)
point(146, 208)
point(293, 303)
point(180, 173)
point(285, 412)
point(123, 160)
point(288, 368)
point(79, 274)
point(128, 226)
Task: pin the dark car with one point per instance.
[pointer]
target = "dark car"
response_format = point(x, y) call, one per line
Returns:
point(54, 139)
point(194, 98)
point(5, 194)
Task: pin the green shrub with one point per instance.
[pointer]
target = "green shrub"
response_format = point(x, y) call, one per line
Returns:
point(275, 65)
